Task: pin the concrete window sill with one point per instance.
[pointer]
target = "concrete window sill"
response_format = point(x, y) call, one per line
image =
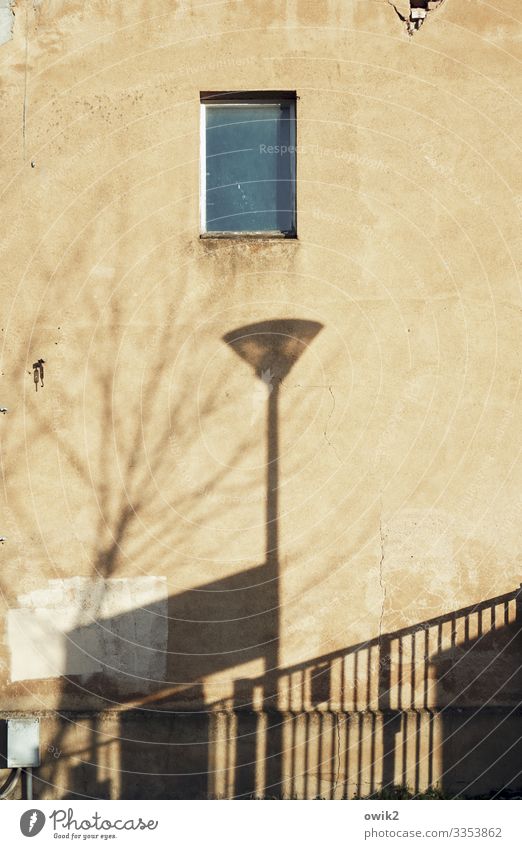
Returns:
point(265, 235)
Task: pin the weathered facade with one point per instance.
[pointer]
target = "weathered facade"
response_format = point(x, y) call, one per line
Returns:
point(215, 587)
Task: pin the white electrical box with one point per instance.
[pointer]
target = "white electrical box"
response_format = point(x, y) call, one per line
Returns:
point(23, 742)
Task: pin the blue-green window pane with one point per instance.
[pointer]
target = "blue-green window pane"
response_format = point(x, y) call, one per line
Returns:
point(250, 168)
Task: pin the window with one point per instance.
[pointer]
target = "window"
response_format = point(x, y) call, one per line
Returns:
point(248, 163)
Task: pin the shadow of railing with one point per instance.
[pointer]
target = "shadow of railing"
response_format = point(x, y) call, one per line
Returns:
point(434, 704)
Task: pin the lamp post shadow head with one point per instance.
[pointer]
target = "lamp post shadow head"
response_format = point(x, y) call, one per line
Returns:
point(275, 344)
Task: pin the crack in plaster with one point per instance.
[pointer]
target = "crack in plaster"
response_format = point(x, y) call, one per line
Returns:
point(326, 425)
point(381, 577)
point(336, 780)
point(24, 112)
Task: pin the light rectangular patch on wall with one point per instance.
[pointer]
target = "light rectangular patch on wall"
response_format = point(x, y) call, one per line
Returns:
point(83, 626)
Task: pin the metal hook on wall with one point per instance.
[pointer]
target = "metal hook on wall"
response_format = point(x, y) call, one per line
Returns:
point(38, 373)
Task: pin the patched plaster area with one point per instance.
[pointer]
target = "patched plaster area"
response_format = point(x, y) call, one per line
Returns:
point(418, 572)
point(82, 626)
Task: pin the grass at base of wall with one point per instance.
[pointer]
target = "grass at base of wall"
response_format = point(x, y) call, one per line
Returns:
point(398, 792)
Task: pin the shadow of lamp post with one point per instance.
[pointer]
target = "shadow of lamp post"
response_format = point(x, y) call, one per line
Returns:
point(271, 348)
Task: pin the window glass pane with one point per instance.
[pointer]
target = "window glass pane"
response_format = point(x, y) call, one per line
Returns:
point(250, 168)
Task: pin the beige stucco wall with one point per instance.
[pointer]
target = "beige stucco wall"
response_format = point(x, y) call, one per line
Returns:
point(134, 481)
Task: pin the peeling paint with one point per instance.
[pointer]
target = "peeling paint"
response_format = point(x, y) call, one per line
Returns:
point(83, 626)
point(414, 12)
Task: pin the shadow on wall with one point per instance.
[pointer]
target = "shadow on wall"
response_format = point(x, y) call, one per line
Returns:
point(482, 743)
point(209, 629)
point(206, 636)
point(434, 704)
point(437, 703)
